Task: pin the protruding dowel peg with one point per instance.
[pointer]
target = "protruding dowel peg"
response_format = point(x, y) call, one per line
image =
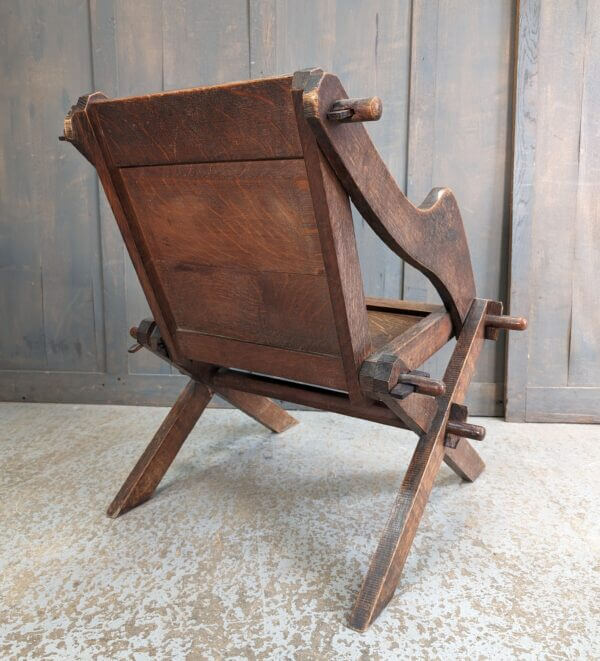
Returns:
point(356, 110)
point(504, 321)
point(417, 382)
point(465, 430)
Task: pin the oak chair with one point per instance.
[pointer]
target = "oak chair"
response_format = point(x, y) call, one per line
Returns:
point(234, 204)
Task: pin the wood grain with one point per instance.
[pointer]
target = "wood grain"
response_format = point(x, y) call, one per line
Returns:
point(262, 409)
point(180, 127)
point(163, 448)
point(387, 563)
point(459, 138)
point(431, 237)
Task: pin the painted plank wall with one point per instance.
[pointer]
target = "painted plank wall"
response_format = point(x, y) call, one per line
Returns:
point(67, 289)
point(554, 370)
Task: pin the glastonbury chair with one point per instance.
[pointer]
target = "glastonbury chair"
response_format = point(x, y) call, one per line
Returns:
point(234, 204)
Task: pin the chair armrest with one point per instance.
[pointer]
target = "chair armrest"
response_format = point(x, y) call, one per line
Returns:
point(380, 372)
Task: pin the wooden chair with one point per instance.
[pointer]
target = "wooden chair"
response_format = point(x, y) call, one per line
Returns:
point(234, 204)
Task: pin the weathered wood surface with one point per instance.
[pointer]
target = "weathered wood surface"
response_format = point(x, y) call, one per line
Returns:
point(388, 560)
point(554, 370)
point(459, 121)
point(367, 44)
point(163, 448)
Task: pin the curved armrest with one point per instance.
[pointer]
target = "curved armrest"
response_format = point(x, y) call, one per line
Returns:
point(430, 237)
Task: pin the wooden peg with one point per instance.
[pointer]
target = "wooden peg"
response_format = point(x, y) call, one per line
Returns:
point(419, 382)
point(465, 430)
point(356, 110)
point(504, 321)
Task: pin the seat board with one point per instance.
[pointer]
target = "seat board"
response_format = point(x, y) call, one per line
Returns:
point(385, 326)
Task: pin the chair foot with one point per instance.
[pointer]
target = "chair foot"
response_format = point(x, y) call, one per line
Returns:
point(464, 460)
point(387, 563)
point(262, 409)
point(163, 448)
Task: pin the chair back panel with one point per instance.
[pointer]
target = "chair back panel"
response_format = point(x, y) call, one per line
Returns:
point(220, 208)
point(237, 250)
point(239, 121)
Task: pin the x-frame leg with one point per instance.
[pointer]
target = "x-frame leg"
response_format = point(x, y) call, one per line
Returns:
point(163, 448)
point(166, 443)
point(387, 563)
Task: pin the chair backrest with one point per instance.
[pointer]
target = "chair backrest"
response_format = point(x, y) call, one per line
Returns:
point(240, 232)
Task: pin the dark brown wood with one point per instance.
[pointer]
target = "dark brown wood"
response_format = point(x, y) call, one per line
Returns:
point(234, 204)
point(336, 231)
point(305, 395)
point(464, 461)
point(506, 322)
point(356, 110)
point(262, 409)
point(163, 448)
point(381, 370)
point(236, 122)
point(421, 382)
point(387, 563)
point(466, 430)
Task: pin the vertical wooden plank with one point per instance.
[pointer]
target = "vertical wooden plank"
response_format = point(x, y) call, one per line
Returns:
point(372, 58)
point(523, 195)
point(73, 322)
point(459, 136)
point(584, 349)
point(105, 79)
point(22, 329)
point(367, 45)
point(140, 71)
point(560, 86)
point(53, 46)
point(205, 43)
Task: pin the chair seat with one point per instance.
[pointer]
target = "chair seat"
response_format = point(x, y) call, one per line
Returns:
point(389, 318)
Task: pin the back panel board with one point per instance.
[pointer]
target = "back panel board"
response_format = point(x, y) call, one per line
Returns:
point(218, 199)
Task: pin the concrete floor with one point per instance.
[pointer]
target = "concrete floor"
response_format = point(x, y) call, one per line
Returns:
point(255, 544)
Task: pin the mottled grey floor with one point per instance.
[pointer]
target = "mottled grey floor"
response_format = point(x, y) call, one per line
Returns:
point(255, 544)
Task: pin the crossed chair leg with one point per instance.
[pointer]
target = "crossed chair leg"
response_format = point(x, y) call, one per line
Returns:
point(163, 448)
point(386, 565)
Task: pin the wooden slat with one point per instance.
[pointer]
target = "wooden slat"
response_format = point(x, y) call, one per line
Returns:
point(204, 43)
point(459, 129)
point(557, 154)
point(50, 283)
point(22, 338)
point(320, 369)
point(523, 198)
point(290, 311)
point(102, 25)
point(199, 126)
point(584, 349)
point(251, 215)
point(570, 404)
point(306, 395)
point(555, 229)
